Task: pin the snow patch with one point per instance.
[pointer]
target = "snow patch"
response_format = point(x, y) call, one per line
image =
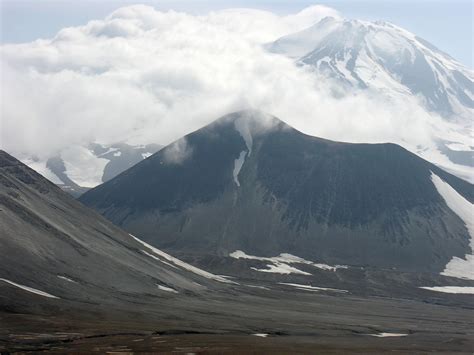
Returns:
point(279, 264)
point(167, 289)
point(117, 154)
point(238, 163)
point(261, 335)
point(66, 279)
point(460, 268)
point(146, 155)
point(260, 287)
point(29, 289)
point(312, 288)
point(457, 267)
point(180, 263)
point(281, 268)
point(387, 335)
point(451, 289)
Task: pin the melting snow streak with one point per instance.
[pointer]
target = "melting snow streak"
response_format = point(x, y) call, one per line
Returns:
point(238, 163)
point(167, 289)
point(312, 288)
point(386, 335)
point(29, 289)
point(451, 289)
point(66, 279)
point(180, 263)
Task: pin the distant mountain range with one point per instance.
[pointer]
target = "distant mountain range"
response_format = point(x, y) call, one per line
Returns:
point(78, 168)
point(250, 182)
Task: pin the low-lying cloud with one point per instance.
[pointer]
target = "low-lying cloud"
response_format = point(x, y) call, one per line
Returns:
point(177, 152)
point(145, 76)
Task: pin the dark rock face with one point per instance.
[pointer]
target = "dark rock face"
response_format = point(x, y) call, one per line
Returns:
point(362, 204)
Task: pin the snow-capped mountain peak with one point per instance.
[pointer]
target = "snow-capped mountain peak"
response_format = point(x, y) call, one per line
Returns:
point(383, 57)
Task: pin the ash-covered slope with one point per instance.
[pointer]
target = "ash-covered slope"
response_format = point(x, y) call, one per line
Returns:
point(250, 182)
point(383, 57)
point(53, 246)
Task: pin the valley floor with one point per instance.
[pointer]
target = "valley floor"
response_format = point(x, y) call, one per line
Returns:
point(239, 321)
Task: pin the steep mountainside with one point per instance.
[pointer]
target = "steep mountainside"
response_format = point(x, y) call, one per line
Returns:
point(250, 182)
point(52, 243)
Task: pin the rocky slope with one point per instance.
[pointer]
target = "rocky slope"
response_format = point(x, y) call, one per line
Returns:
point(52, 245)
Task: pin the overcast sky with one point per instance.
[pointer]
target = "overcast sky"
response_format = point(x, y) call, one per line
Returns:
point(448, 24)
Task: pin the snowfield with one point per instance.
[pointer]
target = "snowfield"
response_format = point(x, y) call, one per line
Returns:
point(457, 267)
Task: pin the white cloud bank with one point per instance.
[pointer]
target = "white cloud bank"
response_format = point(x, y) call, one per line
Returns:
point(145, 76)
